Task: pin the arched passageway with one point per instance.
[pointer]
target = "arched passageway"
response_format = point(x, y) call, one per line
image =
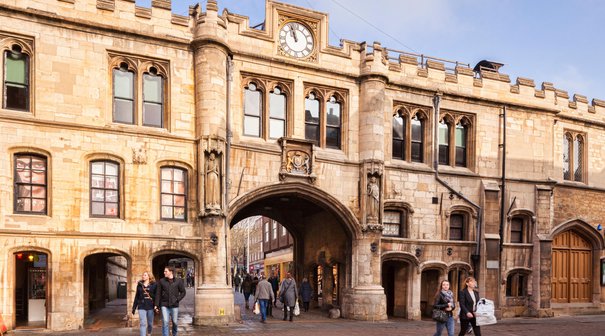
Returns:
point(105, 290)
point(396, 280)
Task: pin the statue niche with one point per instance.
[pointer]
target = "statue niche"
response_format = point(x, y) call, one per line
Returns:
point(212, 188)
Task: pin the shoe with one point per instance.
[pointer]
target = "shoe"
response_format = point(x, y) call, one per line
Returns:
point(284, 318)
point(262, 321)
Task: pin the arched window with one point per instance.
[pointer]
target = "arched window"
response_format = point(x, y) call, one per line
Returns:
point(417, 126)
point(444, 142)
point(567, 157)
point(153, 98)
point(104, 189)
point(30, 184)
point(573, 157)
point(173, 190)
point(123, 94)
point(333, 120)
point(312, 130)
point(461, 136)
point(399, 132)
point(516, 284)
point(16, 79)
point(578, 157)
point(253, 111)
point(277, 113)
point(458, 226)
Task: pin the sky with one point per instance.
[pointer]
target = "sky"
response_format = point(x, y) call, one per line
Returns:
point(555, 41)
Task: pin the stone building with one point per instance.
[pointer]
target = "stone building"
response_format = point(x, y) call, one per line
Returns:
point(137, 133)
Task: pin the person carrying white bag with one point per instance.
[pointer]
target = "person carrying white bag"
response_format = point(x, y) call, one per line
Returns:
point(485, 312)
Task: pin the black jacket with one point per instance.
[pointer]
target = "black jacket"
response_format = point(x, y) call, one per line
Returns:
point(466, 302)
point(442, 303)
point(169, 292)
point(145, 296)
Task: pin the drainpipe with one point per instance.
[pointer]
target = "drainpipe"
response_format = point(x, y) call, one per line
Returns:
point(503, 191)
point(229, 69)
point(436, 104)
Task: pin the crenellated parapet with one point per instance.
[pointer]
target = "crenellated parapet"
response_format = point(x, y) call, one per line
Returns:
point(455, 78)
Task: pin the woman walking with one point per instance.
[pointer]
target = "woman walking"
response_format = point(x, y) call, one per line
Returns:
point(468, 299)
point(143, 300)
point(444, 300)
point(306, 291)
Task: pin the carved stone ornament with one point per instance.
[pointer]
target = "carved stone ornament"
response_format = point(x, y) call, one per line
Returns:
point(211, 175)
point(139, 155)
point(372, 228)
point(297, 160)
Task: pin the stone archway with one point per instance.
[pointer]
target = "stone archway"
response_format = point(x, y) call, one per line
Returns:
point(320, 226)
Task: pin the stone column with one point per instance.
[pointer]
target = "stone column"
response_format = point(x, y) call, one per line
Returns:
point(541, 289)
point(213, 295)
point(366, 299)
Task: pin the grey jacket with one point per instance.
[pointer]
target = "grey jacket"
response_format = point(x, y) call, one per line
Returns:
point(288, 292)
point(264, 291)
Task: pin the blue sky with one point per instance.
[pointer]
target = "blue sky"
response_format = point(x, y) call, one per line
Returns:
point(555, 41)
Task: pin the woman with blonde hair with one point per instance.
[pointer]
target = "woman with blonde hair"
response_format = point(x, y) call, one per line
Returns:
point(468, 299)
point(144, 301)
point(444, 300)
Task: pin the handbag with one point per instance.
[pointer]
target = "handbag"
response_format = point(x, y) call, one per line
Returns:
point(440, 315)
point(256, 308)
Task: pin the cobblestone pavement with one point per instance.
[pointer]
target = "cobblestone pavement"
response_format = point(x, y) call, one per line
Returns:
point(316, 323)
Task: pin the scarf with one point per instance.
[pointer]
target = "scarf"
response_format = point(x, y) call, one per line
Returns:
point(448, 295)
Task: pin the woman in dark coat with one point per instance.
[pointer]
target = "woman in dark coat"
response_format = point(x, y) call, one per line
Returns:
point(247, 288)
point(306, 292)
point(144, 301)
point(468, 299)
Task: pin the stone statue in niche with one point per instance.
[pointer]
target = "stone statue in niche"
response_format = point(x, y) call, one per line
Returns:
point(213, 183)
point(373, 194)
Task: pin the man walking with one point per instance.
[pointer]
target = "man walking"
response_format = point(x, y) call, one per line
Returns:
point(264, 295)
point(170, 292)
point(274, 281)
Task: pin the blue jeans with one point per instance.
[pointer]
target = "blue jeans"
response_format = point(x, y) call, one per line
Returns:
point(449, 325)
point(166, 313)
point(145, 321)
point(263, 308)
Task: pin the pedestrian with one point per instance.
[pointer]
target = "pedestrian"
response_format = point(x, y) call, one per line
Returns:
point(468, 299)
point(274, 281)
point(253, 287)
point(188, 278)
point(247, 288)
point(237, 280)
point(144, 301)
point(264, 295)
point(170, 291)
point(288, 295)
point(306, 292)
point(444, 300)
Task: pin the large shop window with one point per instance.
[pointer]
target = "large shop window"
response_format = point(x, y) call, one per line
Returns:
point(104, 189)
point(30, 184)
point(16, 79)
point(173, 193)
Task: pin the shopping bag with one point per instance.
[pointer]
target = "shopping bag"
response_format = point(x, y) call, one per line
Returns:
point(485, 312)
point(296, 309)
point(256, 308)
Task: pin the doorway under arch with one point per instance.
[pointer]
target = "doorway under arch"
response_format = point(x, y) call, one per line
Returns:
point(396, 280)
point(31, 289)
point(429, 282)
point(572, 265)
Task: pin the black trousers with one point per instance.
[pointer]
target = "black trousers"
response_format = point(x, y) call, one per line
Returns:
point(464, 326)
point(306, 306)
point(286, 312)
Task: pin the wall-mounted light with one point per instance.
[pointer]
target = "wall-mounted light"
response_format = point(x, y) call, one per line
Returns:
point(418, 252)
point(449, 251)
point(373, 247)
point(213, 239)
point(599, 227)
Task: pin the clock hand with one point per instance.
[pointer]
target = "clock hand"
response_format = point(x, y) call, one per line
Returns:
point(293, 33)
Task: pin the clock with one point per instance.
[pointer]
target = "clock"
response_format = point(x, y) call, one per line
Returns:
point(296, 40)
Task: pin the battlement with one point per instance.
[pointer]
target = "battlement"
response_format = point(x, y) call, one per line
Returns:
point(460, 78)
point(124, 15)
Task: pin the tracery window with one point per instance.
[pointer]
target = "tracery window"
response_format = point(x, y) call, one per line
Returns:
point(573, 157)
point(16, 75)
point(409, 134)
point(455, 140)
point(266, 107)
point(324, 116)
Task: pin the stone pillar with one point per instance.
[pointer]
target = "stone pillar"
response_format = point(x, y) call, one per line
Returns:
point(213, 295)
point(366, 299)
point(491, 264)
point(539, 298)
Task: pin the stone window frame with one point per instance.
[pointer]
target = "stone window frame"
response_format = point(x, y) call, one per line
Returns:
point(409, 112)
point(406, 212)
point(9, 42)
point(266, 85)
point(47, 186)
point(528, 219)
point(575, 144)
point(140, 66)
point(453, 119)
point(468, 225)
point(324, 94)
point(185, 193)
point(512, 283)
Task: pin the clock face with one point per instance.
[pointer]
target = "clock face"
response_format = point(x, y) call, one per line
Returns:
point(296, 39)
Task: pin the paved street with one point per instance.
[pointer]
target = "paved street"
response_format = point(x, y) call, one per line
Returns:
point(315, 322)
